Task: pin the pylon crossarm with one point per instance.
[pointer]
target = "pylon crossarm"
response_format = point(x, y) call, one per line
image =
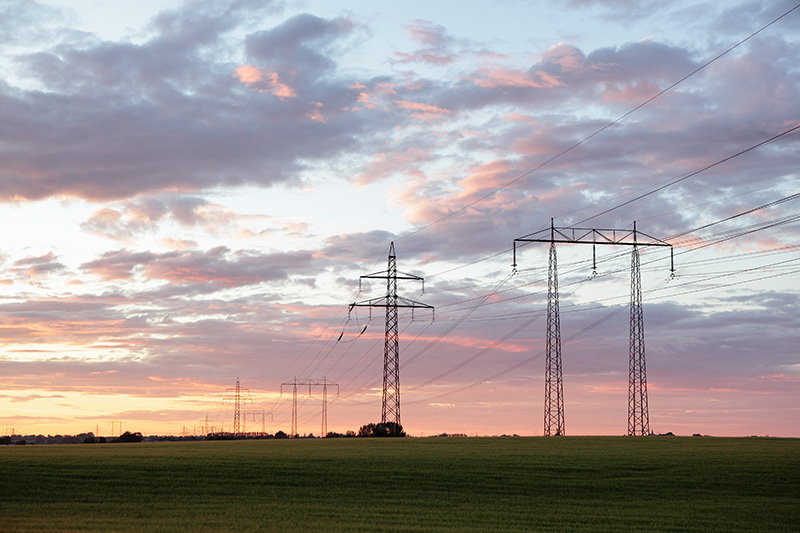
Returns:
point(568, 235)
point(385, 274)
point(383, 301)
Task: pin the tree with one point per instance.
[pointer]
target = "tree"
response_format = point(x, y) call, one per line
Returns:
point(129, 437)
point(383, 429)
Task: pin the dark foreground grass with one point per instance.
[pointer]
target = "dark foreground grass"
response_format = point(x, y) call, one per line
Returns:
point(452, 484)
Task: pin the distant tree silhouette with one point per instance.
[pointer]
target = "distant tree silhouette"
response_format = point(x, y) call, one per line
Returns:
point(382, 429)
point(281, 435)
point(129, 437)
point(333, 435)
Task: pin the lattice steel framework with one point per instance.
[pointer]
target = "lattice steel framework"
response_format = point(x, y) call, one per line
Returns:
point(638, 413)
point(294, 383)
point(239, 420)
point(324, 383)
point(237, 429)
point(553, 383)
point(390, 405)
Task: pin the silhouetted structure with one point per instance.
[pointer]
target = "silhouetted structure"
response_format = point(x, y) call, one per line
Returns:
point(638, 413)
point(390, 406)
point(324, 383)
point(638, 416)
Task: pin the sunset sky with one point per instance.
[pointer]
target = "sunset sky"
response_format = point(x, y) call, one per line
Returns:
point(191, 190)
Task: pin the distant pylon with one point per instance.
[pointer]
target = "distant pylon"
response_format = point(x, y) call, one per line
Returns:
point(294, 409)
point(390, 404)
point(324, 383)
point(553, 384)
point(638, 413)
point(237, 429)
point(324, 408)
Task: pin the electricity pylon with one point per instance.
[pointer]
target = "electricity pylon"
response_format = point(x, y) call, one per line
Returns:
point(324, 383)
point(638, 416)
point(638, 413)
point(390, 405)
point(294, 384)
point(553, 383)
point(237, 408)
point(237, 430)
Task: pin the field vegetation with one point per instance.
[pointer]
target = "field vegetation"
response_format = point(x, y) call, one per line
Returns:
point(413, 484)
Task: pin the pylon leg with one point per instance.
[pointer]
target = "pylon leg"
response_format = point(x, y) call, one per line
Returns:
point(638, 414)
point(390, 407)
point(294, 409)
point(553, 384)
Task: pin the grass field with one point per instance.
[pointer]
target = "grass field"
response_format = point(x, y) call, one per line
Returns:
point(435, 484)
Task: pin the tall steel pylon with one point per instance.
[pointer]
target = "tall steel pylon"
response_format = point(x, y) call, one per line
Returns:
point(638, 416)
point(238, 431)
point(553, 383)
point(294, 383)
point(638, 412)
point(390, 405)
point(324, 409)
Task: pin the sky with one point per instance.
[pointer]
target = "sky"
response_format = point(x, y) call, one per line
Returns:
point(191, 191)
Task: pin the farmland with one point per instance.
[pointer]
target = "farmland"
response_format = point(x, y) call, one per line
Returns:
point(434, 484)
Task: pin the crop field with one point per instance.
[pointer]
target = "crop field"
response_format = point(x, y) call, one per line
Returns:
point(433, 484)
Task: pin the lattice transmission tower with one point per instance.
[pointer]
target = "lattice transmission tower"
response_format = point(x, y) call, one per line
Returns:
point(324, 383)
point(638, 412)
point(239, 420)
point(638, 416)
point(553, 382)
point(390, 405)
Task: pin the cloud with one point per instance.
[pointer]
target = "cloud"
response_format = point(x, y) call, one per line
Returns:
point(32, 397)
point(435, 41)
point(115, 120)
point(33, 267)
point(219, 267)
point(253, 76)
point(423, 111)
point(146, 214)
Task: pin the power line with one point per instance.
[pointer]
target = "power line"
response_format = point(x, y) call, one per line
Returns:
point(602, 129)
point(692, 174)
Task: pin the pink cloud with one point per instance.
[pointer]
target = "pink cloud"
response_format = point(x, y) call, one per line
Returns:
point(435, 43)
point(386, 164)
point(316, 114)
point(36, 266)
point(489, 175)
point(253, 77)
point(248, 74)
point(423, 111)
point(371, 98)
point(493, 78)
point(566, 56)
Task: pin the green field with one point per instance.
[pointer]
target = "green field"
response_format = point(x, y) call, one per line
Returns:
point(434, 484)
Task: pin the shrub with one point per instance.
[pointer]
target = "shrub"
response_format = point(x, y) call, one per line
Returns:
point(383, 429)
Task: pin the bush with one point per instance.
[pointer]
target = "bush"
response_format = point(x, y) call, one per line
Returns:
point(383, 429)
point(129, 437)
